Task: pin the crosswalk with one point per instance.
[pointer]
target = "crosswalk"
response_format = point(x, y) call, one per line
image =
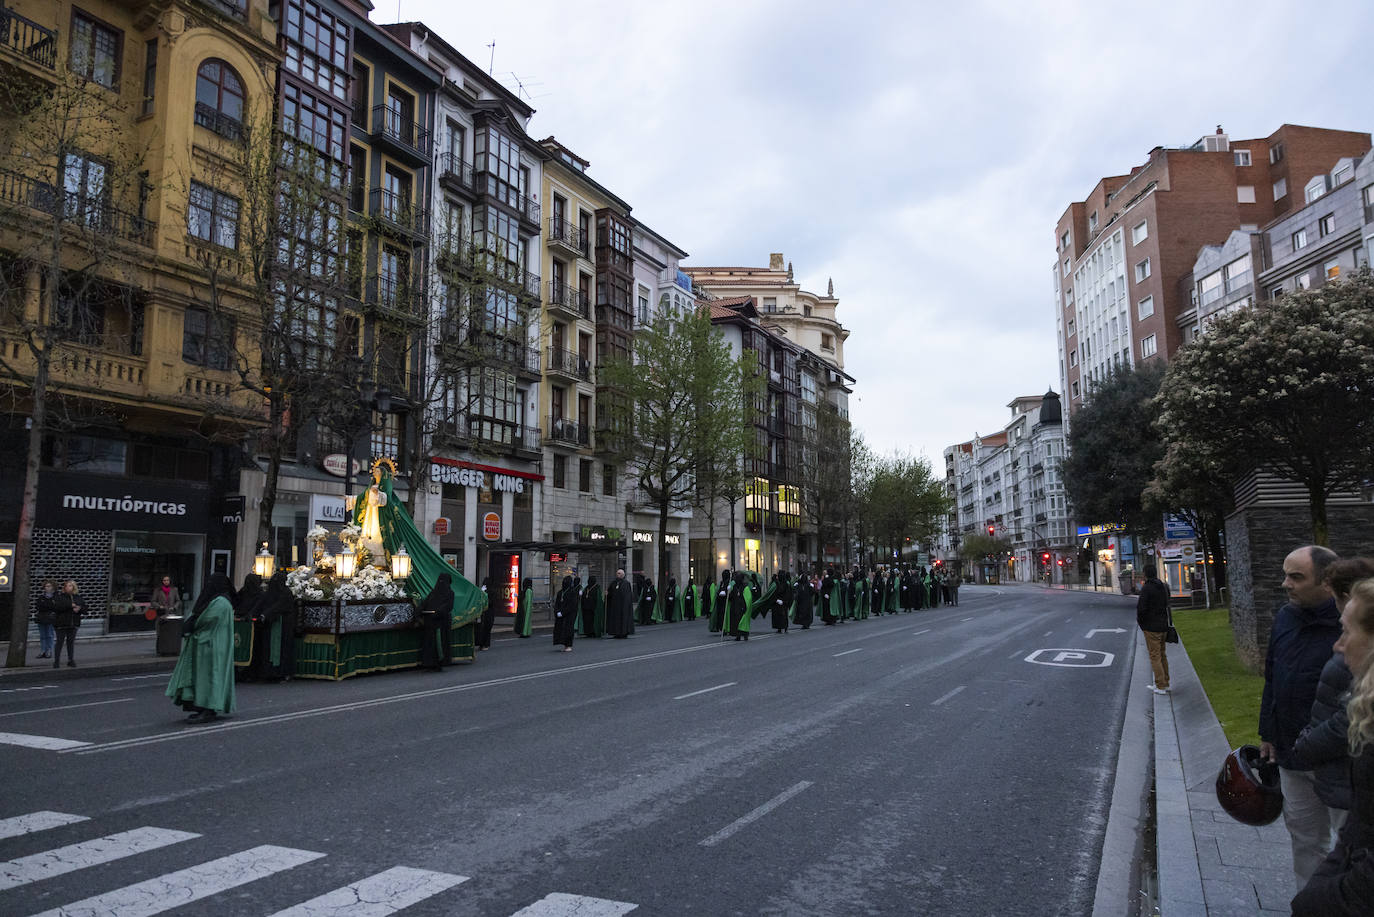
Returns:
point(384, 893)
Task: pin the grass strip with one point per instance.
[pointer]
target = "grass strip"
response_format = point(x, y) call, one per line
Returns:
point(1233, 690)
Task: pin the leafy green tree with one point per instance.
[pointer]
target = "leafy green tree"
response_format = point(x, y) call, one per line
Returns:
point(1286, 387)
point(906, 502)
point(978, 548)
point(1113, 447)
point(684, 397)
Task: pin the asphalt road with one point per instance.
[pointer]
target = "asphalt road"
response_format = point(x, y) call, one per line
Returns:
point(955, 761)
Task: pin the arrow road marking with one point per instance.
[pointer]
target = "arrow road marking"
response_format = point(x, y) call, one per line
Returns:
point(1106, 630)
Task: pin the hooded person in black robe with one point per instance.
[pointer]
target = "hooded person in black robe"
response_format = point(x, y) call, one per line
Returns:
point(851, 595)
point(482, 634)
point(565, 615)
point(738, 623)
point(672, 606)
point(524, 608)
point(828, 587)
point(720, 603)
point(689, 601)
point(247, 604)
point(904, 590)
point(877, 600)
point(619, 607)
point(782, 601)
point(593, 610)
point(647, 597)
point(436, 606)
point(278, 613)
point(803, 601)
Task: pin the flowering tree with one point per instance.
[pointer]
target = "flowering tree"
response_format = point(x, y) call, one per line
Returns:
point(1289, 387)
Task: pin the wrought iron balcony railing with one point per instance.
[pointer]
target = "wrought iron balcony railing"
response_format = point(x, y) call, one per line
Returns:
point(26, 38)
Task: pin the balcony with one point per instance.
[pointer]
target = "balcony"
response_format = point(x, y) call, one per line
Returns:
point(563, 432)
point(397, 298)
point(568, 364)
point(569, 302)
point(102, 363)
point(455, 174)
point(398, 214)
point(489, 184)
point(485, 434)
point(400, 135)
point(513, 275)
point(85, 215)
point(566, 237)
point(212, 119)
point(26, 39)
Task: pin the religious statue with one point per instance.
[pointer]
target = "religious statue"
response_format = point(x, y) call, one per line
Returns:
point(369, 519)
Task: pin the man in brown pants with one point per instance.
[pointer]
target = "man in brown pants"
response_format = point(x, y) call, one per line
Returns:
point(1152, 614)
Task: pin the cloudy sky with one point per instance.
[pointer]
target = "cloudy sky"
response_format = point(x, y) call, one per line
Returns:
point(918, 153)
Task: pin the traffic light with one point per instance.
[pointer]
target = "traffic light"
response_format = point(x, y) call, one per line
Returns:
point(1045, 557)
point(992, 530)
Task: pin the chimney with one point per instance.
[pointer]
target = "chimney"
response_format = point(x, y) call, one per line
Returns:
point(775, 261)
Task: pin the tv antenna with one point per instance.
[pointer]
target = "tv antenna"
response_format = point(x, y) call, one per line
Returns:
point(523, 86)
point(492, 62)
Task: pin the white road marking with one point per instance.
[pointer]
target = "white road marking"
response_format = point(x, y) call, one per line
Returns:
point(846, 653)
point(63, 860)
point(728, 684)
point(936, 703)
point(96, 703)
point(560, 905)
point(1106, 630)
point(377, 702)
point(1015, 655)
point(46, 743)
point(163, 675)
point(755, 815)
point(917, 633)
point(966, 619)
point(176, 889)
point(31, 688)
point(1047, 633)
point(377, 896)
point(36, 821)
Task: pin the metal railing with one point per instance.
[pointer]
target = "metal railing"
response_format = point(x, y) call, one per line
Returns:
point(564, 233)
point(28, 39)
point(569, 363)
point(399, 211)
point(391, 125)
point(569, 432)
point(211, 118)
point(454, 169)
point(569, 299)
point(97, 216)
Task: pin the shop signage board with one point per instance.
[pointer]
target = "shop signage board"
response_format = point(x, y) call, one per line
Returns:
point(1176, 529)
point(327, 508)
point(1103, 528)
point(336, 463)
point(491, 527)
point(443, 525)
point(80, 501)
point(471, 474)
point(6, 567)
point(232, 512)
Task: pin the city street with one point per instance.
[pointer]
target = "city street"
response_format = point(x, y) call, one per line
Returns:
point(954, 761)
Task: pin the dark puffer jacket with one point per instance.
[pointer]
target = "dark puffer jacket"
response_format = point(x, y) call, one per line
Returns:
point(1324, 745)
point(1152, 608)
point(1299, 645)
point(1343, 885)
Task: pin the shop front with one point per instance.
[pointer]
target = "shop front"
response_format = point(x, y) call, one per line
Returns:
point(483, 511)
point(118, 537)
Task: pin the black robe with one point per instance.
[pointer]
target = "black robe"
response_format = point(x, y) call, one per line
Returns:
point(437, 605)
point(689, 602)
point(739, 611)
point(565, 613)
point(875, 604)
point(482, 634)
point(720, 605)
point(591, 598)
point(620, 622)
point(828, 585)
point(646, 603)
point(782, 601)
point(804, 598)
point(278, 613)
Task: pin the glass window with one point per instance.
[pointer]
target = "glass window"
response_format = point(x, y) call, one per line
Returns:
point(1145, 308)
point(1140, 232)
point(1147, 347)
point(1245, 194)
point(608, 480)
point(149, 74)
point(1142, 270)
point(317, 46)
point(1209, 288)
point(560, 471)
point(498, 156)
point(213, 216)
point(1280, 189)
point(206, 340)
point(1242, 157)
point(1238, 274)
point(1326, 225)
point(95, 50)
point(584, 476)
point(219, 99)
point(313, 121)
point(1300, 239)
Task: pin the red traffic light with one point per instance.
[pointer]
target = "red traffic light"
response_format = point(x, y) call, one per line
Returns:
point(1045, 557)
point(992, 530)
point(1061, 561)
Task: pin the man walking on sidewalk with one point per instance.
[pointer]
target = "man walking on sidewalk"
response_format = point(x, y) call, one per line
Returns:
point(1152, 616)
point(1300, 643)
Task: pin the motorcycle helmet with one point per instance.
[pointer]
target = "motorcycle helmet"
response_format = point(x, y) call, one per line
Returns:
point(1248, 787)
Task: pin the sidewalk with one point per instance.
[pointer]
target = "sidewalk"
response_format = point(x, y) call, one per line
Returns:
point(1208, 863)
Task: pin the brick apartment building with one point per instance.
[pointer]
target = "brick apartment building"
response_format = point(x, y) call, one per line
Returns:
point(1124, 254)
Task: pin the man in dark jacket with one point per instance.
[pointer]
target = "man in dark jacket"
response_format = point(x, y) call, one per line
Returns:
point(1300, 643)
point(1152, 617)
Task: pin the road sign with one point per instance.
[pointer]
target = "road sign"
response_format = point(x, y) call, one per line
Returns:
point(1176, 529)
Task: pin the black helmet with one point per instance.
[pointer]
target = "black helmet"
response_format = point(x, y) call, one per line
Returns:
point(1248, 787)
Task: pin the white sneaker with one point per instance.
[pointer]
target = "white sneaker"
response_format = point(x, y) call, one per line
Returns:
point(1159, 690)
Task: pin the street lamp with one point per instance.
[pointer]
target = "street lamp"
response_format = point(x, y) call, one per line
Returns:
point(264, 563)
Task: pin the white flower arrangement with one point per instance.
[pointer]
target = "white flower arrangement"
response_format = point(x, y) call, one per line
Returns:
point(317, 534)
point(350, 535)
point(370, 583)
point(306, 584)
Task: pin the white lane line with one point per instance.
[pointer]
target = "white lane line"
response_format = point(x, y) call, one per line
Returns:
point(163, 675)
point(1047, 633)
point(36, 821)
point(917, 633)
point(379, 701)
point(95, 703)
point(846, 653)
point(176, 889)
point(728, 684)
point(755, 815)
point(46, 743)
point(377, 896)
point(966, 619)
point(63, 860)
point(561, 905)
point(936, 703)
point(1015, 655)
point(32, 688)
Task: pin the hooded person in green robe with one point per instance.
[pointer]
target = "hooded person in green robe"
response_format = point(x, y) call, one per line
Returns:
point(721, 603)
point(203, 681)
point(593, 609)
point(740, 604)
point(524, 612)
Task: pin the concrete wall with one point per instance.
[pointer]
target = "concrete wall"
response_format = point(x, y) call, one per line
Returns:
point(1257, 541)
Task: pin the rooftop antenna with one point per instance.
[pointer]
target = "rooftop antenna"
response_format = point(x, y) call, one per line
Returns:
point(522, 87)
point(491, 63)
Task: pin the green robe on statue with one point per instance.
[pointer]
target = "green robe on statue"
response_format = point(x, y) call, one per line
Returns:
point(204, 673)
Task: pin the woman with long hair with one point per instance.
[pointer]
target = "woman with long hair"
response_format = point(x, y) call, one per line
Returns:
point(1344, 883)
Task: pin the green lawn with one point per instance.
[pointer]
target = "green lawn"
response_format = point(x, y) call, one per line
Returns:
point(1232, 689)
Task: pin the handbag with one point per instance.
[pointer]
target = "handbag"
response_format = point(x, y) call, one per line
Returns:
point(1170, 635)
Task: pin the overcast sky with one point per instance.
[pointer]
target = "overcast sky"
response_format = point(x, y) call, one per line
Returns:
point(917, 153)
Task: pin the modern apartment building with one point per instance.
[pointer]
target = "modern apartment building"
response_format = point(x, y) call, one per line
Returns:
point(1123, 252)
